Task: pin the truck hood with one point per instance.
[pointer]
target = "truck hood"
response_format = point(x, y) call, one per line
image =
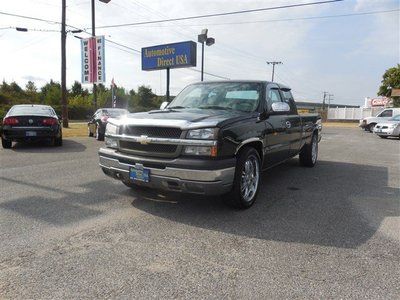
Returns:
point(184, 118)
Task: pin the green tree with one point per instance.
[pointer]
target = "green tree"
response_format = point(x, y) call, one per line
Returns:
point(30, 87)
point(50, 93)
point(391, 80)
point(76, 89)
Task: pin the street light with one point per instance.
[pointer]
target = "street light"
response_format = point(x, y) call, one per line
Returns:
point(93, 35)
point(202, 38)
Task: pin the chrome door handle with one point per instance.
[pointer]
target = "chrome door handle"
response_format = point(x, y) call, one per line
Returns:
point(288, 124)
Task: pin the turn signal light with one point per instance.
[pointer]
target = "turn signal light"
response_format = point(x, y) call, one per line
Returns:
point(10, 121)
point(49, 121)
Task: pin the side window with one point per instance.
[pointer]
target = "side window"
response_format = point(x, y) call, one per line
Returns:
point(273, 96)
point(288, 98)
point(386, 113)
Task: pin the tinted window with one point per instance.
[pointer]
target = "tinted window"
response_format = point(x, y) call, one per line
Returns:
point(288, 98)
point(386, 113)
point(32, 110)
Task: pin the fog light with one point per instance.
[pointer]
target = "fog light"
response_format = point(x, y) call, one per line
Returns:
point(111, 143)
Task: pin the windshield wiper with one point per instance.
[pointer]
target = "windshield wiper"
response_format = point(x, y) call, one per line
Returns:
point(176, 107)
point(214, 107)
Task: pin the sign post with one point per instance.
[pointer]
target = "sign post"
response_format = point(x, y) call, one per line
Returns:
point(169, 56)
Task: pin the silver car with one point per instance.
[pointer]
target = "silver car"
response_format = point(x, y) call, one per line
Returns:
point(389, 127)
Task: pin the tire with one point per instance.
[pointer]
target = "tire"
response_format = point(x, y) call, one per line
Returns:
point(309, 153)
point(371, 127)
point(90, 134)
point(58, 141)
point(246, 184)
point(7, 144)
point(99, 135)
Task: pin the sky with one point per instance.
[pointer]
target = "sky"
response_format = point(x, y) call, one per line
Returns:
point(344, 56)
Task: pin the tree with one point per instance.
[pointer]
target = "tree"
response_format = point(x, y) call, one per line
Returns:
point(30, 87)
point(391, 80)
point(51, 93)
point(146, 96)
point(76, 89)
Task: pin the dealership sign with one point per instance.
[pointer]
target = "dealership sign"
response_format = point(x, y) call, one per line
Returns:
point(93, 60)
point(169, 56)
point(383, 101)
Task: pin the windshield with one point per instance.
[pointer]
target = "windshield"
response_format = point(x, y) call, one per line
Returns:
point(223, 95)
point(114, 112)
point(395, 118)
point(32, 110)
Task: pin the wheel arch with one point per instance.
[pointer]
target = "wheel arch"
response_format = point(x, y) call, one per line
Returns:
point(254, 143)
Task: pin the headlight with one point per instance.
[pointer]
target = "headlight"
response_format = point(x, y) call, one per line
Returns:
point(203, 134)
point(201, 150)
point(111, 129)
point(111, 142)
point(391, 126)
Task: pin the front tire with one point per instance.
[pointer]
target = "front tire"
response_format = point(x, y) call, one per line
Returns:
point(7, 144)
point(309, 153)
point(99, 135)
point(371, 127)
point(246, 184)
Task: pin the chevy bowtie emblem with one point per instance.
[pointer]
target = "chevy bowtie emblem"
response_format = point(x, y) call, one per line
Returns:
point(144, 139)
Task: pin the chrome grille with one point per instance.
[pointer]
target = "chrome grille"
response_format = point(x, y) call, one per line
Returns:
point(154, 148)
point(161, 132)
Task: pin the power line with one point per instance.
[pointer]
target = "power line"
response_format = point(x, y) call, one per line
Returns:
point(288, 19)
point(221, 14)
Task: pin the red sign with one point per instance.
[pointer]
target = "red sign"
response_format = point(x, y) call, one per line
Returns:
point(93, 67)
point(379, 101)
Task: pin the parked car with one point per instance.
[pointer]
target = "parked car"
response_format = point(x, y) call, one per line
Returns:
point(369, 123)
point(31, 122)
point(214, 138)
point(98, 122)
point(387, 128)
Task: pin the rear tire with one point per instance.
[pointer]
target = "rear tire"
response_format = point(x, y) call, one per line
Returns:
point(7, 144)
point(246, 184)
point(58, 141)
point(309, 153)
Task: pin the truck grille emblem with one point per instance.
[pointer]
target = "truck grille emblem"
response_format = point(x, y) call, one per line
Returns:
point(143, 139)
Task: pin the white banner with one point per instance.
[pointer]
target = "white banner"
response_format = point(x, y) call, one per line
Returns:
point(93, 60)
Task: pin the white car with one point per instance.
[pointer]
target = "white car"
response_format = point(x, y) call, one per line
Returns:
point(387, 128)
point(370, 122)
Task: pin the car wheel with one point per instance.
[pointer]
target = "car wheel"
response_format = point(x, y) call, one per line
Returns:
point(309, 153)
point(58, 141)
point(7, 144)
point(99, 135)
point(383, 136)
point(247, 179)
point(371, 127)
point(90, 133)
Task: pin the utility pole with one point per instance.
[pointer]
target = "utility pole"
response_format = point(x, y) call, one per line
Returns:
point(323, 101)
point(93, 35)
point(273, 63)
point(330, 97)
point(64, 106)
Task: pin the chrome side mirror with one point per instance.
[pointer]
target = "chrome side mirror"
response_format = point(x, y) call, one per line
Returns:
point(164, 105)
point(280, 107)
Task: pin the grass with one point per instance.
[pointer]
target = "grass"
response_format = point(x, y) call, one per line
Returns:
point(75, 130)
point(80, 129)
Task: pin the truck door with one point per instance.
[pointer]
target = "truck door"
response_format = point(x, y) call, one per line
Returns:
point(293, 123)
point(277, 142)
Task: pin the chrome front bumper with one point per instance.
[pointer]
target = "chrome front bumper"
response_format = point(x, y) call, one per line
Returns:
point(198, 181)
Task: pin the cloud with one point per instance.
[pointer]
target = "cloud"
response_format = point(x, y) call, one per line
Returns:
point(33, 78)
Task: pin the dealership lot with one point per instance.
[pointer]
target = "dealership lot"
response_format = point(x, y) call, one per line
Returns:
point(68, 231)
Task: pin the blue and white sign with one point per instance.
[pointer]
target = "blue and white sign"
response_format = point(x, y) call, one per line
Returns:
point(169, 56)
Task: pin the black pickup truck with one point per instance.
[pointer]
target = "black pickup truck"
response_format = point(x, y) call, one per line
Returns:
point(214, 138)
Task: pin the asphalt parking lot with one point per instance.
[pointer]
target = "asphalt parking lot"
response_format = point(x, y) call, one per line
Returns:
point(68, 231)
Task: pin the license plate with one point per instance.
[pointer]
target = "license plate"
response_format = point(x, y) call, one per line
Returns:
point(139, 174)
point(378, 130)
point(30, 133)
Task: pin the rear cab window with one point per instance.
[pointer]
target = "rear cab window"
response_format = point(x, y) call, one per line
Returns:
point(386, 113)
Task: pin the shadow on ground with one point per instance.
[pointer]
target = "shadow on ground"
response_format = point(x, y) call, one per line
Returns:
point(334, 204)
point(47, 147)
point(71, 207)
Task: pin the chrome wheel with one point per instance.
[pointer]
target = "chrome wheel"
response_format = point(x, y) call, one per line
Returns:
point(250, 178)
point(314, 150)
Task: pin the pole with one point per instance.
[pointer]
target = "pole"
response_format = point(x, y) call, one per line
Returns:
point(167, 84)
point(273, 63)
point(323, 101)
point(93, 35)
point(202, 61)
point(64, 107)
point(113, 100)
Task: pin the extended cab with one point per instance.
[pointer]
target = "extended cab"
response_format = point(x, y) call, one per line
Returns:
point(214, 138)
